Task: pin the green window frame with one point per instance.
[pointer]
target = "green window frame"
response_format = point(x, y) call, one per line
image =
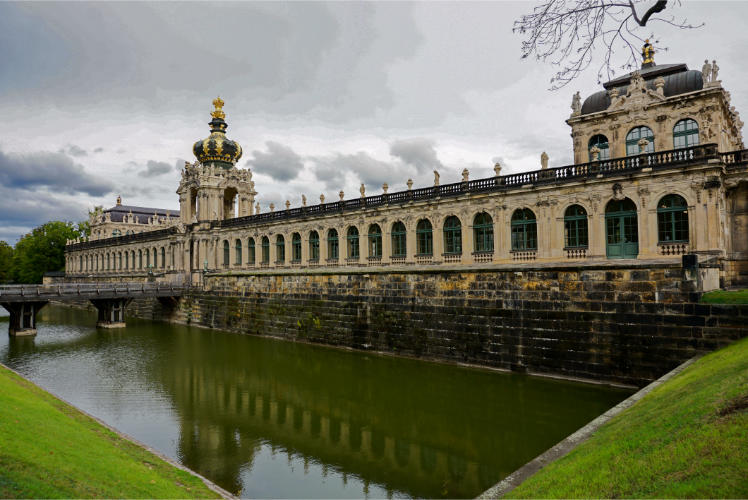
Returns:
point(226, 253)
point(147, 258)
point(375, 241)
point(238, 252)
point(483, 232)
point(685, 134)
point(424, 238)
point(575, 227)
point(333, 248)
point(633, 137)
point(295, 247)
point(280, 249)
point(672, 219)
point(452, 236)
point(265, 250)
point(524, 230)
point(314, 246)
point(251, 251)
point(399, 245)
point(352, 239)
point(602, 144)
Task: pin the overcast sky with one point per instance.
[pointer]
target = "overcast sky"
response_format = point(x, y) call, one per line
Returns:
point(99, 100)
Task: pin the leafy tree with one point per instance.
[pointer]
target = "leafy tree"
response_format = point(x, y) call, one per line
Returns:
point(566, 32)
point(42, 250)
point(6, 262)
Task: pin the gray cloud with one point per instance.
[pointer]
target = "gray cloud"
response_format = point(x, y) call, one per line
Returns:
point(73, 150)
point(53, 170)
point(419, 152)
point(373, 173)
point(279, 162)
point(98, 150)
point(155, 168)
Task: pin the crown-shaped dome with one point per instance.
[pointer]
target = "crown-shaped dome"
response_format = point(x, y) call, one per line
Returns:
point(218, 148)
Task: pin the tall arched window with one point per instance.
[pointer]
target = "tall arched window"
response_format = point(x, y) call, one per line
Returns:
point(251, 251)
point(80, 263)
point(524, 230)
point(147, 258)
point(140, 259)
point(295, 247)
point(424, 238)
point(399, 247)
point(155, 260)
point(636, 134)
point(672, 219)
point(119, 258)
point(132, 255)
point(333, 250)
point(314, 246)
point(107, 262)
point(163, 257)
point(375, 241)
point(601, 142)
point(621, 231)
point(685, 134)
point(265, 250)
point(226, 253)
point(452, 236)
point(483, 232)
point(575, 227)
point(280, 249)
point(352, 238)
point(238, 252)
point(127, 260)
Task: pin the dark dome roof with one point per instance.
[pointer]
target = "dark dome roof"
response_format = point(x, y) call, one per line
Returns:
point(678, 80)
point(217, 147)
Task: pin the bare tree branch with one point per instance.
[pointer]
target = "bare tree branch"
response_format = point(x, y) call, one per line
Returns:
point(567, 32)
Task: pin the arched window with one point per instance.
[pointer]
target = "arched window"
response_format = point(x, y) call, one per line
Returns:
point(352, 238)
point(672, 219)
point(265, 250)
point(483, 232)
point(601, 142)
point(375, 241)
point(621, 232)
point(140, 259)
point(132, 254)
point(333, 251)
point(524, 230)
point(452, 236)
point(295, 247)
point(147, 258)
point(685, 134)
point(575, 227)
point(155, 260)
point(119, 258)
point(424, 238)
point(80, 263)
point(399, 248)
point(251, 251)
point(127, 260)
point(280, 249)
point(238, 252)
point(107, 262)
point(226, 253)
point(314, 246)
point(163, 257)
point(633, 138)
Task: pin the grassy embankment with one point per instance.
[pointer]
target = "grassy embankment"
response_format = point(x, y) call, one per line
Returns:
point(688, 438)
point(49, 449)
point(726, 297)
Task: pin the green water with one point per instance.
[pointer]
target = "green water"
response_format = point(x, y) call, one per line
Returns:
point(266, 418)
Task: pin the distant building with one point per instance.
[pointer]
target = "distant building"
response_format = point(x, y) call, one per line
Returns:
point(660, 171)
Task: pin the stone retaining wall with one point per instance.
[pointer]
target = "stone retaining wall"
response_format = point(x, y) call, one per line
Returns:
point(625, 325)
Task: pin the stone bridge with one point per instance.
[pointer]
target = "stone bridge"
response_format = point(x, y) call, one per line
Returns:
point(110, 299)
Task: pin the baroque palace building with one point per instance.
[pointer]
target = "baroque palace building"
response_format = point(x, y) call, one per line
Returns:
point(660, 171)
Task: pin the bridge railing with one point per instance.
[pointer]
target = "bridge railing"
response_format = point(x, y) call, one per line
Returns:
point(87, 289)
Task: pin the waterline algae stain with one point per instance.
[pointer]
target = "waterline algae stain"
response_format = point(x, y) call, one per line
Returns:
point(264, 418)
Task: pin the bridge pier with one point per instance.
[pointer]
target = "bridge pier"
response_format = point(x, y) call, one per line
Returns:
point(22, 317)
point(111, 312)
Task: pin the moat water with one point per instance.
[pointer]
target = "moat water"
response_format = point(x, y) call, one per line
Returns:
point(274, 419)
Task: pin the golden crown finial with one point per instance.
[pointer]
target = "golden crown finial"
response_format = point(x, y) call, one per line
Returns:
point(218, 113)
point(647, 53)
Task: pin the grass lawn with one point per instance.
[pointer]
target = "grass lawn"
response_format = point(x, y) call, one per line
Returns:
point(688, 438)
point(49, 449)
point(726, 297)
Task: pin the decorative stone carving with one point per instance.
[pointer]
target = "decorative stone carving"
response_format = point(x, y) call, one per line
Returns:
point(660, 85)
point(643, 143)
point(303, 200)
point(322, 199)
point(576, 104)
point(341, 194)
point(410, 184)
point(544, 160)
point(497, 168)
point(465, 175)
point(362, 190)
point(436, 177)
point(288, 204)
point(595, 152)
point(618, 191)
point(272, 207)
point(385, 187)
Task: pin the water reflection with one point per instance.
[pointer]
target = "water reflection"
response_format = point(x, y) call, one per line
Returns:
point(275, 419)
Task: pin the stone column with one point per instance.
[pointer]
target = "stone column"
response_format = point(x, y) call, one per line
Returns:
point(387, 243)
point(466, 227)
point(305, 253)
point(438, 234)
point(597, 236)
